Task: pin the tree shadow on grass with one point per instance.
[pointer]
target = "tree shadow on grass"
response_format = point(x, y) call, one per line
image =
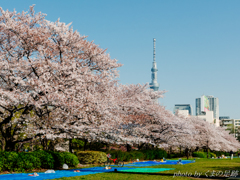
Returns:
point(171, 174)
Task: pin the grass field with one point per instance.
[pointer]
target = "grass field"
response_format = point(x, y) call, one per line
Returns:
point(202, 169)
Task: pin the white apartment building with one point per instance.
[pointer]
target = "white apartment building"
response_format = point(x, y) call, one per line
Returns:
point(233, 124)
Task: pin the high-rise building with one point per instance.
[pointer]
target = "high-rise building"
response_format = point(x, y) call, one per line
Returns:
point(154, 84)
point(214, 106)
point(187, 107)
point(207, 103)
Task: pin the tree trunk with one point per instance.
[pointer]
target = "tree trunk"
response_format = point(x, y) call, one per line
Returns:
point(44, 143)
point(9, 145)
point(187, 152)
point(207, 149)
point(32, 144)
point(51, 145)
point(90, 145)
point(140, 146)
point(85, 144)
point(3, 144)
point(70, 145)
point(129, 148)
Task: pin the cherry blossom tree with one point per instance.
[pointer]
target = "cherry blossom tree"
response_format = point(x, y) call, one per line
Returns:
point(56, 84)
point(48, 69)
point(211, 137)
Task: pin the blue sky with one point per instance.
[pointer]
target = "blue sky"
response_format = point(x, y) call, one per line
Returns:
point(197, 42)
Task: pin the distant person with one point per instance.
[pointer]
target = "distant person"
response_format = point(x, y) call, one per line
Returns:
point(231, 154)
point(108, 157)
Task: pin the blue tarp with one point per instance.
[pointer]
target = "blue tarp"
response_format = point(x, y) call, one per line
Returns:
point(84, 171)
point(58, 174)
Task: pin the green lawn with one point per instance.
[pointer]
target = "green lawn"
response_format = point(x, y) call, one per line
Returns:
point(207, 168)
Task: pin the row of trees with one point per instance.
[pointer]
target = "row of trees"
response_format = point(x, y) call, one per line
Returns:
point(56, 84)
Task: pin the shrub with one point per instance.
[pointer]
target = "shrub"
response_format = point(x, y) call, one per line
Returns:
point(176, 155)
point(58, 157)
point(148, 154)
point(77, 144)
point(204, 154)
point(27, 161)
point(132, 155)
point(219, 153)
point(13, 161)
point(9, 160)
point(139, 155)
point(160, 154)
point(70, 159)
point(212, 155)
point(46, 158)
point(199, 154)
point(154, 154)
point(91, 157)
point(121, 155)
point(227, 154)
point(1, 162)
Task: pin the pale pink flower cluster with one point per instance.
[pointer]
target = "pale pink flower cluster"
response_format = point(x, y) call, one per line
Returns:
point(55, 83)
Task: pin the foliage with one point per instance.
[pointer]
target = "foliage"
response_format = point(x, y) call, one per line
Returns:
point(13, 161)
point(142, 155)
point(27, 161)
point(9, 160)
point(47, 160)
point(204, 154)
point(91, 157)
point(154, 154)
point(58, 157)
point(199, 154)
point(70, 159)
point(211, 154)
point(48, 70)
point(1, 164)
point(22, 161)
point(176, 155)
point(219, 153)
point(77, 144)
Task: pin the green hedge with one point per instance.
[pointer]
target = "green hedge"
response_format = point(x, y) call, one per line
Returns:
point(212, 155)
point(61, 158)
point(70, 159)
point(91, 157)
point(8, 160)
point(176, 155)
point(58, 157)
point(1, 164)
point(27, 161)
point(204, 154)
point(20, 162)
point(121, 155)
point(47, 160)
point(141, 155)
point(199, 154)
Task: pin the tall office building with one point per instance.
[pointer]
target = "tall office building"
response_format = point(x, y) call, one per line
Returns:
point(207, 103)
point(187, 107)
point(198, 106)
point(154, 84)
point(214, 106)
